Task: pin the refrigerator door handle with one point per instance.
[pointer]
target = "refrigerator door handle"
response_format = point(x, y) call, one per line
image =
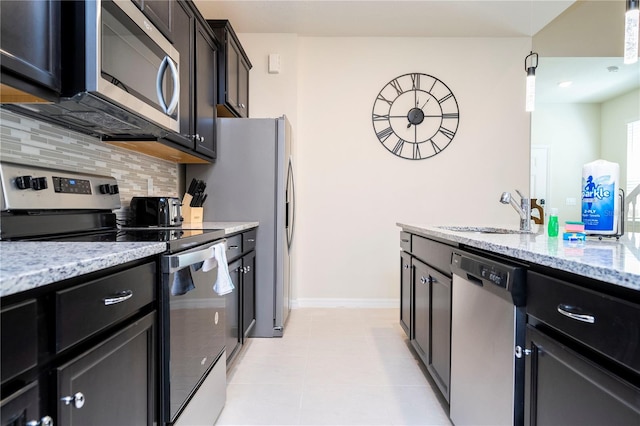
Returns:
point(290, 205)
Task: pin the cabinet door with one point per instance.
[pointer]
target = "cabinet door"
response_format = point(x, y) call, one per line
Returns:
point(113, 383)
point(30, 47)
point(405, 293)
point(243, 88)
point(421, 303)
point(205, 93)
point(233, 69)
point(439, 364)
point(160, 12)
point(564, 388)
point(183, 35)
point(248, 293)
point(233, 310)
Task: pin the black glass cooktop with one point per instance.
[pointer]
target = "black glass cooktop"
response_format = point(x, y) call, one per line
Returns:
point(177, 238)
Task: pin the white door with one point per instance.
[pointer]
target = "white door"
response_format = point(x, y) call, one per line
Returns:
point(539, 174)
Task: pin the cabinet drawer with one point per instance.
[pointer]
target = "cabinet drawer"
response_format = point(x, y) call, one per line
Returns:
point(249, 240)
point(405, 241)
point(432, 252)
point(85, 309)
point(234, 247)
point(609, 325)
point(19, 350)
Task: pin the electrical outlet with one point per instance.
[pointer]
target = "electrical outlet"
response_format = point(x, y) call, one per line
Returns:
point(150, 187)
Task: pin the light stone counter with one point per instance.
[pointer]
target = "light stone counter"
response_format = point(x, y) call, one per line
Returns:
point(28, 265)
point(607, 260)
point(229, 227)
point(31, 264)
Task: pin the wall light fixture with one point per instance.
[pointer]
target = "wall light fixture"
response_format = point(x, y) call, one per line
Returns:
point(530, 65)
point(631, 23)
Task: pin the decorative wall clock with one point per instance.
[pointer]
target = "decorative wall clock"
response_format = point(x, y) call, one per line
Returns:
point(415, 116)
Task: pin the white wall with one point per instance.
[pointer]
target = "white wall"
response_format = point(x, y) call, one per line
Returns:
point(572, 134)
point(580, 133)
point(350, 190)
point(616, 114)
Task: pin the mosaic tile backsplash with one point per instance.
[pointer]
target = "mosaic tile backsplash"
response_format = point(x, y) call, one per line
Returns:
point(27, 141)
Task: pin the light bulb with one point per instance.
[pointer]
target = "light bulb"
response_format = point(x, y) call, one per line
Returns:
point(530, 97)
point(631, 22)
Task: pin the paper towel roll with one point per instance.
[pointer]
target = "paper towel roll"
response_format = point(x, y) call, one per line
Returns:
point(600, 200)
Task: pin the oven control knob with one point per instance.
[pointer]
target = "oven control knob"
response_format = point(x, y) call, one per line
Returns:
point(104, 188)
point(39, 183)
point(23, 182)
point(113, 189)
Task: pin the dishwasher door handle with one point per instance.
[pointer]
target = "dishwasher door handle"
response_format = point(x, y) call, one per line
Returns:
point(576, 313)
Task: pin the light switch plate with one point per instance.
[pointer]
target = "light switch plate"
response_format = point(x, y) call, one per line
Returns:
point(274, 63)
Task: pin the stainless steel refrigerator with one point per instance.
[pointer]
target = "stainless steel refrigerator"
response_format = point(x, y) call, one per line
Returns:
point(252, 180)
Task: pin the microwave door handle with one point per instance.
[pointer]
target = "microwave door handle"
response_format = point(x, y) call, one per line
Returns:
point(161, 71)
point(168, 63)
point(175, 77)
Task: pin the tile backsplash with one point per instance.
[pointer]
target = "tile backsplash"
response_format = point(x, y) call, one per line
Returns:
point(28, 141)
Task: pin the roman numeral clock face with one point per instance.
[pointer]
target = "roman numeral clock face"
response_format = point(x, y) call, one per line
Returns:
point(415, 116)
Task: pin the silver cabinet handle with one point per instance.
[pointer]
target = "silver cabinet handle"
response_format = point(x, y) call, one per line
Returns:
point(121, 297)
point(233, 247)
point(173, 103)
point(519, 352)
point(77, 399)
point(45, 421)
point(251, 240)
point(566, 310)
point(428, 279)
point(248, 269)
point(406, 266)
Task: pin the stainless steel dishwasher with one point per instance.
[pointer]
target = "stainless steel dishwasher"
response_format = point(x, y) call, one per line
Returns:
point(487, 323)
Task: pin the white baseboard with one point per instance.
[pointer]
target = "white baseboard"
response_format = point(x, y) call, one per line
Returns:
point(344, 303)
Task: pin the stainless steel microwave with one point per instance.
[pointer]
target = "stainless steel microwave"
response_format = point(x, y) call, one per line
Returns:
point(120, 73)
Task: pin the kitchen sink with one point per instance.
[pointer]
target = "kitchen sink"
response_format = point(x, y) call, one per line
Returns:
point(483, 229)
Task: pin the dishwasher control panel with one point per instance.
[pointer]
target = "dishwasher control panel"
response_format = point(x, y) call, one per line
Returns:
point(495, 275)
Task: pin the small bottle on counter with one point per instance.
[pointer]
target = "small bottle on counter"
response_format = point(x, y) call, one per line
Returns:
point(552, 229)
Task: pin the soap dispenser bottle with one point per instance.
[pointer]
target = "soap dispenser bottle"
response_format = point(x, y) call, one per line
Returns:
point(552, 229)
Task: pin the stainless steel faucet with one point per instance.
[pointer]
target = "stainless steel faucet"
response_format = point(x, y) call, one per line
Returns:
point(524, 209)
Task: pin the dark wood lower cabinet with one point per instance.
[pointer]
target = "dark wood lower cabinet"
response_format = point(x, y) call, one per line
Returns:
point(113, 383)
point(405, 293)
point(232, 301)
point(241, 303)
point(432, 322)
point(248, 294)
point(565, 388)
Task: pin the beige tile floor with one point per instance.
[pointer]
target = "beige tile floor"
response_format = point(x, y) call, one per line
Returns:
point(337, 366)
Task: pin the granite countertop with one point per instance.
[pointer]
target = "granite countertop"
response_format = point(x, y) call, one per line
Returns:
point(30, 264)
point(25, 265)
point(608, 260)
point(229, 227)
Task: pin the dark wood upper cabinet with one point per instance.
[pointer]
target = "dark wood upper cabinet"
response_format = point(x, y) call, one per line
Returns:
point(30, 51)
point(233, 72)
point(160, 12)
point(197, 47)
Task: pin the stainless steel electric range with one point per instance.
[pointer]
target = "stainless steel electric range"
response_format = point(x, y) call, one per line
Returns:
point(46, 204)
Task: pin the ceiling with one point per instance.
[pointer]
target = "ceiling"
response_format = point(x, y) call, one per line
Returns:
point(383, 18)
point(592, 81)
point(434, 18)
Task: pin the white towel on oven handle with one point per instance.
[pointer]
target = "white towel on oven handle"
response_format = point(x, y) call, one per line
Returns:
point(223, 284)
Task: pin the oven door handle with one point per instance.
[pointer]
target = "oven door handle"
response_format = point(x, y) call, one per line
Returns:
point(182, 260)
